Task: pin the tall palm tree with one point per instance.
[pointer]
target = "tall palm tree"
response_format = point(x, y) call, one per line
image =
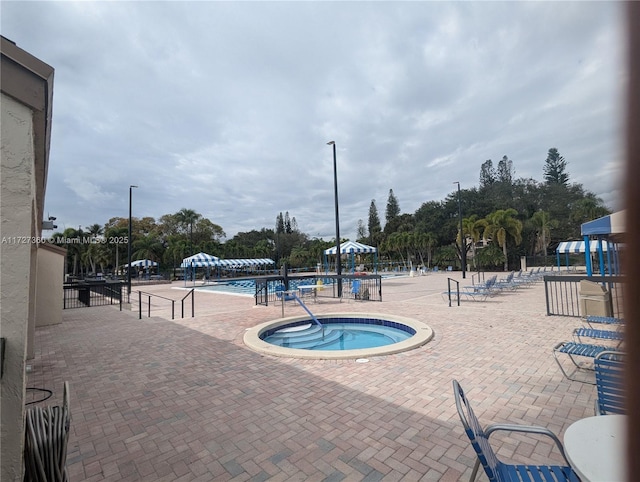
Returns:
point(187, 217)
point(94, 230)
point(473, 229)
point(148, 247)
point(501, 225)
point(542, 223)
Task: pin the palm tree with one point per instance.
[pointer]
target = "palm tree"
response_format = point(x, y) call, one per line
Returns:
point(187, 217)
point(543, 224)
point(473, 229)
point(114, 235)
point(501, 225)
point(148, 247)
point(94, 230)
point(425, 241)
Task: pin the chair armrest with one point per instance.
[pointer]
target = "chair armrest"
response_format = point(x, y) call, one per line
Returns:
point(527, 429)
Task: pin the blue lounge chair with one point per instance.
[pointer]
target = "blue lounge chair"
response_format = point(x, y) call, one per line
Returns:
point(609, 366)
point(496, 470)
point(586, 351)
point(603, 320)
point(610, 335)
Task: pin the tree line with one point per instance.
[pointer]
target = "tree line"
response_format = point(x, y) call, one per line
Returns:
point(504, 218)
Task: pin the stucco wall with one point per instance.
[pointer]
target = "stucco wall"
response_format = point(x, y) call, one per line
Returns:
point(49, 285)
point(17, 193)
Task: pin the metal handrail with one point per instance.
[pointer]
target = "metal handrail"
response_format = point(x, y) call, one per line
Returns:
point(190, 293)
point(449, 280)
point(173, 303)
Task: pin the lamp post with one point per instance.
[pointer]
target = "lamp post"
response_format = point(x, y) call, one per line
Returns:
point(463, 247)
point(335, 191)
point(129, 245)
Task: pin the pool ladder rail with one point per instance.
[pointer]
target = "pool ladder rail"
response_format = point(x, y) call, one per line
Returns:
point(293, 295)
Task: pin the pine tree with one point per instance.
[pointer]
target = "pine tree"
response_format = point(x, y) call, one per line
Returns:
point(287, 223)
point(554, 168)
point(279, 224)
point(505, 170)
point(374, 223)
point(393, 208)
point(487, 174)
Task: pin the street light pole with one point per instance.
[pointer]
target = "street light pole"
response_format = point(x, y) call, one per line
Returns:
point(335, 191)
point(463, 247)
point(129, 246)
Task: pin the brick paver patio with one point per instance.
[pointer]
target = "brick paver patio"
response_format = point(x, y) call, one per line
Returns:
point(155, 399)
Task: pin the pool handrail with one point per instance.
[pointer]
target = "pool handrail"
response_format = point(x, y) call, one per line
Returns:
point(313, 317)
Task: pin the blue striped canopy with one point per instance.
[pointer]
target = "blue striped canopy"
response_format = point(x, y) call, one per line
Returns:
point(578, 247)
point(240, 263)
point(351, 247)
point(199, 260)
point(143, 263)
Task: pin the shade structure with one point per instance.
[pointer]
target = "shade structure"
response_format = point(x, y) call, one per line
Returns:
point(244, 262)
point(351, 247)
point(142, 263)
point(576, 247)
point(611, 224)
point(199, 260)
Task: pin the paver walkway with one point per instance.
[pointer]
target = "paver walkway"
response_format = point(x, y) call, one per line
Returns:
point(155, 399)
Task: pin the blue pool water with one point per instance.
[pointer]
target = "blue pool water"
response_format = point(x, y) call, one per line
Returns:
point(242, 287)
point(338, 334)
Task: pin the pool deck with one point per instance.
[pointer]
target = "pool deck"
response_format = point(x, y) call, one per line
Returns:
point(184, 400)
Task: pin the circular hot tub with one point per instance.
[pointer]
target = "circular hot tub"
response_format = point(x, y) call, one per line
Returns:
point(338, 336)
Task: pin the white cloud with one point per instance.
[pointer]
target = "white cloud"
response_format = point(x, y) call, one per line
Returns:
point(226, 107)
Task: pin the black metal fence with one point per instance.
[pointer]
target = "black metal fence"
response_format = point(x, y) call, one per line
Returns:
point(563, 295)
point(367, 288)
point(84, 294)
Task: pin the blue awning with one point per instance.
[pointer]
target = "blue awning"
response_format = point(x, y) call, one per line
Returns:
point(611, 224)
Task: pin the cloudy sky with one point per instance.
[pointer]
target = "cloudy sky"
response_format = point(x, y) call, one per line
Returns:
point(227, 107)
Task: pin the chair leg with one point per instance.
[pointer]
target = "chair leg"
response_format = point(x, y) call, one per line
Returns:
point(475, 470)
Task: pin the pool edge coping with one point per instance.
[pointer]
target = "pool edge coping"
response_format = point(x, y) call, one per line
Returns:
point(423, 334)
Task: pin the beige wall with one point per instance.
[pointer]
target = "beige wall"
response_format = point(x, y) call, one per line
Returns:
point(48, 290)
point(49, 285)
point(17, 194)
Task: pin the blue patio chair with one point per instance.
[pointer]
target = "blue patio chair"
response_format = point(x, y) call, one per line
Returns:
point(354, 292)
point(609, 366)
point(496, 470)
point(280, 290)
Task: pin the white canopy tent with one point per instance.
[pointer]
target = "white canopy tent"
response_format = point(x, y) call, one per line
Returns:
point(204, 260)
point(142, 263)
point(352, 248)
point(199, 260)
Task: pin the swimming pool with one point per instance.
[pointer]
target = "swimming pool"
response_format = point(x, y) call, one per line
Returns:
point(244, 287)
point(341, 336)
